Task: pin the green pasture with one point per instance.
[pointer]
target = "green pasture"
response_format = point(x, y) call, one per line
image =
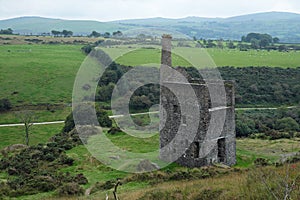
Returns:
point(38, 134)
point(40, 116)
point(35, 74)
point(221, 57)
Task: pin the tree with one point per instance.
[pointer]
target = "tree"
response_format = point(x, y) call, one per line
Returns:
point(103, 118)
point(27, 117)
point(55, 33)
point(230, 45)
point(106, 35)
point(264, 42)
point(210, 44)
point(5, 105)
point(220, 44)
point(69, 123)
point(255, 43)
point(117, 34)
point(243, 39)
point(8, 31)
point(67, 33)
point(276, 40)
point(95, 34)
point(105, 92)
point(287, 124)
point(258, 40)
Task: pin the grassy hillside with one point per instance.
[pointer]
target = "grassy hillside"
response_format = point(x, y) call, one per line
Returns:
point(36, 74)
point(278, 24)
point(173, 180)
point(39, 134)
point(38, 25)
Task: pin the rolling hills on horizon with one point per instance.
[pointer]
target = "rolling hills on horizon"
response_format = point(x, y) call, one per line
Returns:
point(285, 26)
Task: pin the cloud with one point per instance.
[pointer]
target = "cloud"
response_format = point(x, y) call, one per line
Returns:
point(290, 6)
point(104, 10)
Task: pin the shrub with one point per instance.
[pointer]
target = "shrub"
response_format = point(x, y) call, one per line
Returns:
point(70, 189)
point(103, 118)
point(208, 194)
point(5, 105)
point(114, 130)
point(69, 123)
point(65, 160)
point(163, 195)
point(42, 183)
point(80, 179)
point(261, 162)
point(87, 49)
point(100, 186)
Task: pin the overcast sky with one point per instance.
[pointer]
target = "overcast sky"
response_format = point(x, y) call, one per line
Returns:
point(106, 10)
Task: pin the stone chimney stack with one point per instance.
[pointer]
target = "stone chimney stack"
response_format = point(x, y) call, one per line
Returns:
point(166, 56)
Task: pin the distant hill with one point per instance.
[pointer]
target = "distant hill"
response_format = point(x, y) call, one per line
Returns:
point(285, 26)
point(38, 25)
point(267, 16)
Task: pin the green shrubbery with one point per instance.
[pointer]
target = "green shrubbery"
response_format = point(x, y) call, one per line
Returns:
point(36, 169)
point(267, 86)
point(5, 105)
point(102, 117)
point(254, 86)
point(268, 124)
point(70, 189)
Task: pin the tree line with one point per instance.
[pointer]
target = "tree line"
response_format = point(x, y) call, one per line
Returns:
point(8, 31)
point(106, 34)
point(67, 33)
point(64, 33)
point(250, 41)
point(268, 124)
point(259, 40)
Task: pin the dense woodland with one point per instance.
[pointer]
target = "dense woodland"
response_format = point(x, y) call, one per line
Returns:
point(255, 87)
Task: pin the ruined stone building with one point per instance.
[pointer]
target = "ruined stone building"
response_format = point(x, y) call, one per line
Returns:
point(188, 140)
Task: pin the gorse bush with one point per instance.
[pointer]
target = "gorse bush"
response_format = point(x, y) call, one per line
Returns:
point(70, 189)
point(5, 105)
point(36, 169)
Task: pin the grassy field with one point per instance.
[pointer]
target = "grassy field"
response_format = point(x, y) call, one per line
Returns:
point(35, 74)
point(238, 58)
point(40, 116)
point(19, 39)
point(38, 134)
point(221, 57)
point(41, 74)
